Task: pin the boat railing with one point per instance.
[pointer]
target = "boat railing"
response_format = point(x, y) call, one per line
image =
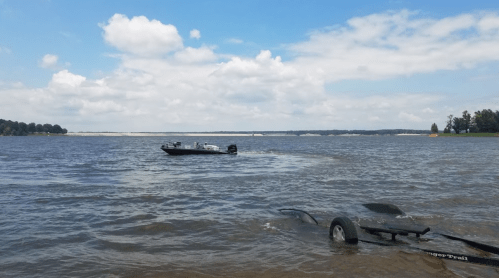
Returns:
point(196, 145)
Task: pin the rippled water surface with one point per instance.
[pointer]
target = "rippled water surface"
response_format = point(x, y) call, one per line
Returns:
point(119, 206)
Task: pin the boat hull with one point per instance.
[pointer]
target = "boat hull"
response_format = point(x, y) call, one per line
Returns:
point(180, 151)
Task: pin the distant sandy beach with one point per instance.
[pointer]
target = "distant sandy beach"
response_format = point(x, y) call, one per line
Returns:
point(207, 134)
point(156, 134)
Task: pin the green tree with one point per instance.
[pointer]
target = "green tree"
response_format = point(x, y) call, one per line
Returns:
point(32, 128)
point(14, 126)
point(449, 121)
point(458, 124)
point(434, 128)
point(47, 128)
point(7, 131)
point(9, 128)
point(56, 129)
point(23, 129)
point(448, 127)
point(485, 121)
point(466, 120)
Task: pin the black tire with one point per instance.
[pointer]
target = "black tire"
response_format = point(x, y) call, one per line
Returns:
point(343, 230)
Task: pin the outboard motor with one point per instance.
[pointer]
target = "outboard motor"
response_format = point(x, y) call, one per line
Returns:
point(232, 149)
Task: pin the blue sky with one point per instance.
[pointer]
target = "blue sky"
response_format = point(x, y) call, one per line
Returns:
point(246, 65)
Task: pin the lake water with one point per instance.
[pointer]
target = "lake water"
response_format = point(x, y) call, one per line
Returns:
point(121, 207)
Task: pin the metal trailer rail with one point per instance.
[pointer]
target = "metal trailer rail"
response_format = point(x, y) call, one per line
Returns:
point(342, 229)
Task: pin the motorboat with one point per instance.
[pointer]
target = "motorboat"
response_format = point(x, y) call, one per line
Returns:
point(176, 148)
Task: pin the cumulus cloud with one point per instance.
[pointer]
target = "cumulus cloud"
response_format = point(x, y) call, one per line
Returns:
point(49, 61)
point(193, 55)
point(161, 85)
point(392, 44)
point(99, 107)
point(141, 36)
point(195, 34)
point(266, 79)
point(489, 23)
point(66, 79)
point(393, 110)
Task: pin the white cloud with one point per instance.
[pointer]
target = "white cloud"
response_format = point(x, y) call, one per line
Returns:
point(160, 85)
point(428, 110)
point(371, 112)
point(266, 79)
point(489, 23)
point(409, 117)
point(99, 107)
point(141, 36)
point(391, 44)
point(234, 41)
point(445, 27)
point(49, 61)
point(65, 78)
point(195, 34)
point(6, 86)
point(193, 55)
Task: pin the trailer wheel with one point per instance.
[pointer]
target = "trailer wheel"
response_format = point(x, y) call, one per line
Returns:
point(343, 230)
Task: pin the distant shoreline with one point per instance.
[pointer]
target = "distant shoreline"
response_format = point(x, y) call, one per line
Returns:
point(469, 135)
point(224, 134)
point(248, 134)
point(138, 134)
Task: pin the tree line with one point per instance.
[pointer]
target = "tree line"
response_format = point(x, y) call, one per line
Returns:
point(485, 121)
point(10, 128)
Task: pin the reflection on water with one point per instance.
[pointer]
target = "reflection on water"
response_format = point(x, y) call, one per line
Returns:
point(105, 206)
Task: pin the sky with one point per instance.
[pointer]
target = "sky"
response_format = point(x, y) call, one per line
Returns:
point(180, 66)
